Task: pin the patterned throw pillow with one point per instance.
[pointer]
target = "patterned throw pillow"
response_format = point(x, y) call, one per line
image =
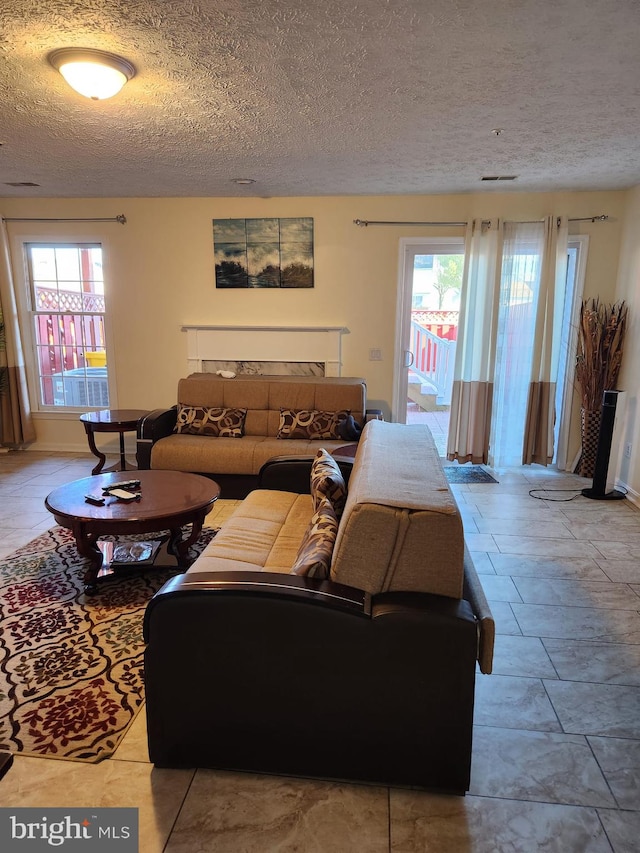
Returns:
point(310, 423)
point(198, 420)
point(314, 555)
point(327, 482)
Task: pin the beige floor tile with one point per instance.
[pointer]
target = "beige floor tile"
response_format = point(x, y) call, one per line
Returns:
point(481, 542)
point(540, 529)
point(133, 746)
point(610, 710)
point(622, 828)
point(529, 565)
point(578, 623)
point(502, 498)
point(531, 546)
point(514, 702)
point(576, 593)
point(596, 512)
point(423, 823)
point(469, 525)
point(12, 540)
point(158, 794)
point(619, 760)
point(506, 622)
point(512, 509)
point(498, 587)
point(621, 571)
point(232, 812)
point(601, 663)
point(540, 766)
point(622, 530)
point(618, 550)
point(526, 656)
point(482, 562)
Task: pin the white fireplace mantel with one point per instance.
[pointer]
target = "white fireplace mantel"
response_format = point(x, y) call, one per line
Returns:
point(266, 343)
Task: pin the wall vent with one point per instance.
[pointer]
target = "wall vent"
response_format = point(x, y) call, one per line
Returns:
point(499, 178)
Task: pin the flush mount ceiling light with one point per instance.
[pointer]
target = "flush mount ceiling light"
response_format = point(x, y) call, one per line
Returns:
point(96, 74)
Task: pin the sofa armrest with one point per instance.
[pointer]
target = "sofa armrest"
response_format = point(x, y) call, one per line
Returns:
point(157, 424)
point(474, 594)
point(273, 673)
point(293, 473)
point(266, 585)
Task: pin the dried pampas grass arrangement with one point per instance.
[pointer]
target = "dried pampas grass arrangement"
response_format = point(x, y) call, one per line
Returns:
point(600, 344)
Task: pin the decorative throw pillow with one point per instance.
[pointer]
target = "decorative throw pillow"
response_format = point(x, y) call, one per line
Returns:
point(349, 429)
point(310, 423)
point(327, 482)
point(199, 420)
point(314, 555)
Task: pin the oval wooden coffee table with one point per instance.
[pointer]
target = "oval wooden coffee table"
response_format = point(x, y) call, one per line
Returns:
point(169, 501)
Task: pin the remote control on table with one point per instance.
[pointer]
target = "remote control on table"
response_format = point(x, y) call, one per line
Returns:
point(94, 499)
point(123, 495)
point(124, 484)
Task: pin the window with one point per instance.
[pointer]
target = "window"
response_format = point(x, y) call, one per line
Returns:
point(68, 314)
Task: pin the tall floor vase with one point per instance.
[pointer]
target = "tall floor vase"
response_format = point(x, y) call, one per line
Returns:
point(590, 432)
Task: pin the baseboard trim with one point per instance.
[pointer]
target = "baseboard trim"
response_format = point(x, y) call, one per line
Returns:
point(632, 496)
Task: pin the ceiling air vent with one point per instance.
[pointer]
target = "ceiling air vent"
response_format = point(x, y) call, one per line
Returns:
point(20, 184)
point(499, 178)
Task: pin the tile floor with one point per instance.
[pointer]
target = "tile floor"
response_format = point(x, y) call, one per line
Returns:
point(556, 760)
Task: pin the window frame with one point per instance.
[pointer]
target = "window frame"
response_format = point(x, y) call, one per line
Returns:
point(28, 313)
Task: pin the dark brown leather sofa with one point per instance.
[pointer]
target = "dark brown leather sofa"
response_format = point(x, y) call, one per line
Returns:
point(372, 681)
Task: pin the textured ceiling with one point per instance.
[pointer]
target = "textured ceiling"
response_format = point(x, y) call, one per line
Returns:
point(332, 97)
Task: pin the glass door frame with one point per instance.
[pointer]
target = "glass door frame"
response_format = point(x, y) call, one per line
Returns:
point(408, 249)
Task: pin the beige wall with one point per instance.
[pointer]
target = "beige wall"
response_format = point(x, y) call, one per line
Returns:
point(159, 271)
point(629, 290)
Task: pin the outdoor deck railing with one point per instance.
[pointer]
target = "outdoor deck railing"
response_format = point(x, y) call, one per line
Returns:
point(433, 361)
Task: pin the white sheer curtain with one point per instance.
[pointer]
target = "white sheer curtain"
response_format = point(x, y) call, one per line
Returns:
point(472, 393)
point(540, 418)
point(517, 307)
point(502, 410)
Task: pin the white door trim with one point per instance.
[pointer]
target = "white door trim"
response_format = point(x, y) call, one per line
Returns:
point(408, 248)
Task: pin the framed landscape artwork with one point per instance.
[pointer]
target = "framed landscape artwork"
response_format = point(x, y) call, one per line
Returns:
point(263, 252)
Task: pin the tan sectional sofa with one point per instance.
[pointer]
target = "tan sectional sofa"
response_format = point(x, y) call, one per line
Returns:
point(367, 675)
point(236, 462)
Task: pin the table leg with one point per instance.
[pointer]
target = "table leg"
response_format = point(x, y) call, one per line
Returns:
point(87, 545)
point(178, 546)
point(92, 447)
point(123, 461)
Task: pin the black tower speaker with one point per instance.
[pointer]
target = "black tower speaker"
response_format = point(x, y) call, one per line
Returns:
point(598, 487)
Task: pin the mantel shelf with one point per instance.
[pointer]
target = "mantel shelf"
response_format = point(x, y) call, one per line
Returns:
point(342, 329)
point(291, 344)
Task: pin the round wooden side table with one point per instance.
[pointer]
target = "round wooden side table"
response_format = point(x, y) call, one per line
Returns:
point(111, 420)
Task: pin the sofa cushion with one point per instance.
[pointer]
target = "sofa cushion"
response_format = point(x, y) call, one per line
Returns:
point(327, 482)
point(263, 534)
point(310, 423)
point(204, 455)
point(215, 421)
point(314, 556)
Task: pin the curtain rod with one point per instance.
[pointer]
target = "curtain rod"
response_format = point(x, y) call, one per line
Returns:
point(363, 223)
point(121, 219)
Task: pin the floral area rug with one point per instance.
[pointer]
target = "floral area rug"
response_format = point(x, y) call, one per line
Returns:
point(71, 665)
